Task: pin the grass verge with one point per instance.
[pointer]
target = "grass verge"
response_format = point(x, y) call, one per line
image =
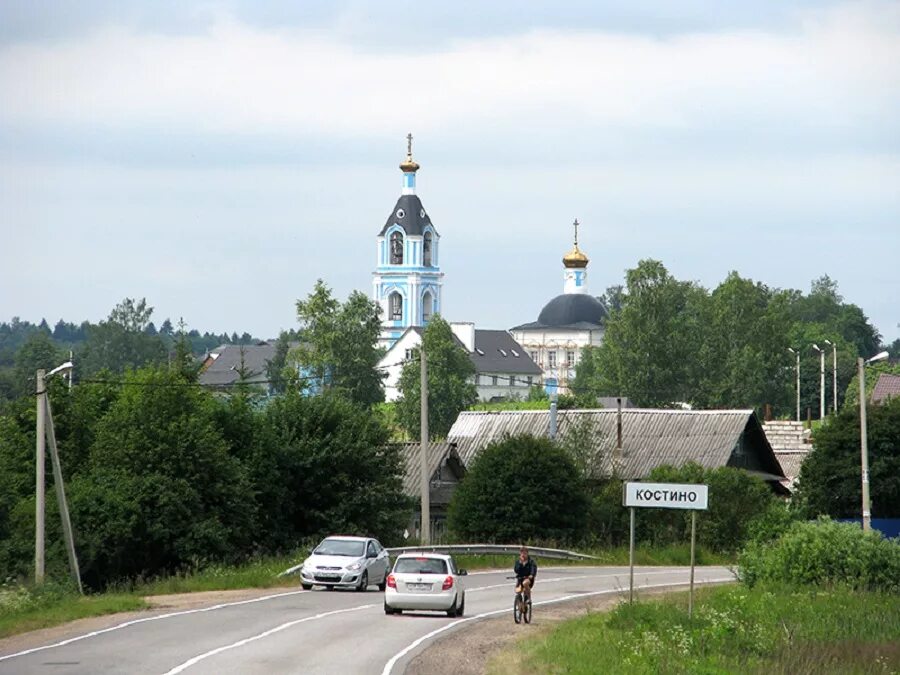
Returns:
point(734, 630)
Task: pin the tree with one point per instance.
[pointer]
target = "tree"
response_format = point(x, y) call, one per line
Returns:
point(648, 351)
point(340, 349)
point(450, 386)
point(522, 488)
point(120, 342)
point(39, 351)
point(335, 470)
point(830, 479)
point(275, 368)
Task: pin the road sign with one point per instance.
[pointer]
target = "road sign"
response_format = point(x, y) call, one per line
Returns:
point(666, 496)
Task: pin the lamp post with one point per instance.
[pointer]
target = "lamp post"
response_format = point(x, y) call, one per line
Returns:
point(863, 439)
point(797, 353)
point(833, 374)
point(821, 381)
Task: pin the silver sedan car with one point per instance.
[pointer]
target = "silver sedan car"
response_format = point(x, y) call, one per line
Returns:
point(348, 562)
point(425, 581)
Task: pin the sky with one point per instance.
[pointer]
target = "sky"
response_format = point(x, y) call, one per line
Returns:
point(216, 158)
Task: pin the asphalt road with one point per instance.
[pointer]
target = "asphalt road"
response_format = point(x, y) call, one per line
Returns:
point(316, 631)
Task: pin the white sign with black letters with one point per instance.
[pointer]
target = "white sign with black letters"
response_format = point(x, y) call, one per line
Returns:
point(666, 496)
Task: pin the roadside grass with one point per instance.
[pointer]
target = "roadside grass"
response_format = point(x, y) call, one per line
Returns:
point(734, 630)
point(23, 609)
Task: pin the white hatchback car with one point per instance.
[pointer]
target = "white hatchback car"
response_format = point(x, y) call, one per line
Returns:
point(425, 581)
point(348, 562)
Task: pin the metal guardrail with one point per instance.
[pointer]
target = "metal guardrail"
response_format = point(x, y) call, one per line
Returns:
point(478, 549)
point(494, 549)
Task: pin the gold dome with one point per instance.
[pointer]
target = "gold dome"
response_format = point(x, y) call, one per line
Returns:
point(409, 165)
point(575, 258)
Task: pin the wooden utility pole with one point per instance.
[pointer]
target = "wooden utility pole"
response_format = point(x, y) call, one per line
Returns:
point(40, 482)
point(425, 525)
point(61, 499)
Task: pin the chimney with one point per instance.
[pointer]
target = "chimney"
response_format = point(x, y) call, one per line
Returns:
point(465, 331)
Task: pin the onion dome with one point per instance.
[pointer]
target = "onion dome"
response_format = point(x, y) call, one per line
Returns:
point(409, 165)
point(576, 258)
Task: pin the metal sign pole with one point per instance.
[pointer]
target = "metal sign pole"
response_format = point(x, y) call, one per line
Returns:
point(693, 542)
point(631, 560)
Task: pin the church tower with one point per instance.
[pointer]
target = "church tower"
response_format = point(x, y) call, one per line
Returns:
point(407, 280)
point(575, 263)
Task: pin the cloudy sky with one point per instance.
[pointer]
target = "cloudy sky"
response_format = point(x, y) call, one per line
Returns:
point(219, 157)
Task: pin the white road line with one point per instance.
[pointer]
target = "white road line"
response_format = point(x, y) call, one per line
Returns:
point(146, 619)
point(240, 643)
point(389, 666)
point(578, 578)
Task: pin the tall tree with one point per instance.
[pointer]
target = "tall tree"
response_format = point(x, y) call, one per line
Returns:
point(121, 342)
point(649, 349)
point(450, 382)
point(340, 344)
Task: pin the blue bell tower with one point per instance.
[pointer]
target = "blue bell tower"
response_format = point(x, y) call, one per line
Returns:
point(407, 280)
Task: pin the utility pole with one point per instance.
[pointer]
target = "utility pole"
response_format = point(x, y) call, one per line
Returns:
point(61, 499)
point(425, 526)
point(864, 446)
point(39, 498)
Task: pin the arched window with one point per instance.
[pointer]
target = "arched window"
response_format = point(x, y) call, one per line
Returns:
point(395, 306)
point(396, 249)
point(426, 249)
point(427, 305)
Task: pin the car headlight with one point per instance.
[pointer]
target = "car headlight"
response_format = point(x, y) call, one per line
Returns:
point(354, 566)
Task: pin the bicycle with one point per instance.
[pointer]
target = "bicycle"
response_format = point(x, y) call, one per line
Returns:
point(521, 605)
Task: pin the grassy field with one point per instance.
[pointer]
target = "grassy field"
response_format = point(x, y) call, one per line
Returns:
point(735, 630)
point(24, 608)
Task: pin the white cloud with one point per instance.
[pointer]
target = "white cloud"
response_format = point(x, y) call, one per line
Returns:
point(840, 68)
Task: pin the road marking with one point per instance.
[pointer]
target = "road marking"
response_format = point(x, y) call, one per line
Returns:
point(389, 666)
point(578, 578)
point(149, 618)
point(240, 643)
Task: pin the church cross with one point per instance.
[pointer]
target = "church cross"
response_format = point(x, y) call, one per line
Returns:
point(576, 231)
point(409, 145)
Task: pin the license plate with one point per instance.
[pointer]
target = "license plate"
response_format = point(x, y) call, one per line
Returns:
point(419, 587)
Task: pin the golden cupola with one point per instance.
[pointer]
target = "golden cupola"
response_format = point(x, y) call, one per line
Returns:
point(576, 258)
point(409, 165)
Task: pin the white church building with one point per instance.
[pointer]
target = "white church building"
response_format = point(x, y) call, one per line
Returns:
point(569, 322)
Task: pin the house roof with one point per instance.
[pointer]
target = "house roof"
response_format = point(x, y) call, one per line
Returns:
point(491, 358)
point(888, 386)
point(497, 352)
point(650, 438)
point(224, 369)
point(412, 463)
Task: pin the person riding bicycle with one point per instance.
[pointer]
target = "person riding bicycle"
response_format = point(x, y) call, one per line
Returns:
point(526, 570)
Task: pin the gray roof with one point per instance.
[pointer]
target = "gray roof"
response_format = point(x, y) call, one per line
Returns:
point(515, 362)
point(570, 310)
point(224, 369)
point(414, 219)
point(650, 438)
point(791, 462)
point(888, 386)
point(497, 352)
point(412, 463)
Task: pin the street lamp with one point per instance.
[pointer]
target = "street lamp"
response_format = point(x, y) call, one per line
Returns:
point(864, 442)
point(797, 352)
point(821, 381)
point(834, 374)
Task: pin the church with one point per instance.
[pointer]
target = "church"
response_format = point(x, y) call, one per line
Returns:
point(569, 322)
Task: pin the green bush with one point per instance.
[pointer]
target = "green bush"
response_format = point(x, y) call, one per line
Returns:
point(521, 488)
point(824, 552)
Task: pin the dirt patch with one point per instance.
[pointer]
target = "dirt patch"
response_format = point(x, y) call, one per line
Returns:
point(159, 604)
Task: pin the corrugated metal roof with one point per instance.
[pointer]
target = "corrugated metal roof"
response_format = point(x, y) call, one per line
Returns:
point(412, 462)
point(650, 438)
point(791, 463)
point(888, 386)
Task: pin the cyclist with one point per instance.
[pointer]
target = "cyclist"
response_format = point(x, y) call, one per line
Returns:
point(526, 570)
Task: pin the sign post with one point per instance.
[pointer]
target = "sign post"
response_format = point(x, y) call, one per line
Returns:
point(665, 496)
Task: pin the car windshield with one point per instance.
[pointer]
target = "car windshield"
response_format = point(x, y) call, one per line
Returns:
point(420, 566)
point(341, 547)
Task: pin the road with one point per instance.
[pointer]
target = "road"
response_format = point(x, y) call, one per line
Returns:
point(316, 631)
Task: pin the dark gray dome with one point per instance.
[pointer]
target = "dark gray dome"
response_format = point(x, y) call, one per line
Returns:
point(409, 214)
point(569, 309)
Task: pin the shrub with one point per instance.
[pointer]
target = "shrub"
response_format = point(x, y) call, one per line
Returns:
point(824, 552)
point(519, 489)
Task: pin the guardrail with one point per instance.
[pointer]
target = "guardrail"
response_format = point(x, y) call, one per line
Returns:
point(478, 549)
point(494, 549)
